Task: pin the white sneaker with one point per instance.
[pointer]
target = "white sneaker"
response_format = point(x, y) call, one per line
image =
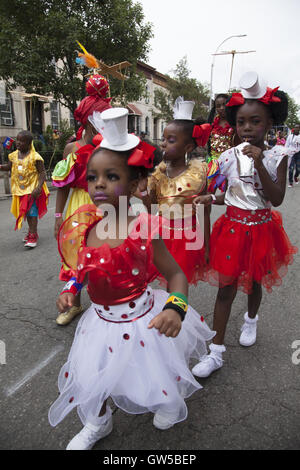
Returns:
point(164, 420)
point(89, 435)
point(248, 335)
point(210, 362)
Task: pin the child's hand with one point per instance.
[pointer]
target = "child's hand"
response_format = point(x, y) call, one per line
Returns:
point(206, 200)
point(65, 301)
point(255, 153)
point(142, 188)
point(167, 322)
point(36, 193)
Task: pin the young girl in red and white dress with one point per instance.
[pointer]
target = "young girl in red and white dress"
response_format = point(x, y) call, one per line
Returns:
point(131, 344)
point(249, 247)
point(174, 185)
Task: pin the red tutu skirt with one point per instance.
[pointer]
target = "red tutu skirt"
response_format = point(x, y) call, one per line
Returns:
point(184, 240)
point(249, 246)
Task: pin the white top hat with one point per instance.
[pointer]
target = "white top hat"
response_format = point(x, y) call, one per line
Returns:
point(113, 125)
point(183, 109)
point(253, 87)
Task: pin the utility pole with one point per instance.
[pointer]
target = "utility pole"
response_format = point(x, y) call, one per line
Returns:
point(213, 63)
point(233, 53)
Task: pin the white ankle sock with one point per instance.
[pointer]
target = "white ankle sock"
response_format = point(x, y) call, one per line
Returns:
point(217, 349)
point(250, 320)
point(97, 421)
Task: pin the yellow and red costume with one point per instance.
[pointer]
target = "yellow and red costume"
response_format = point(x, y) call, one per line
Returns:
point(24, 179)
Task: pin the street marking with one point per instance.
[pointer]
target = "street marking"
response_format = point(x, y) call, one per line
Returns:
point(14, 388)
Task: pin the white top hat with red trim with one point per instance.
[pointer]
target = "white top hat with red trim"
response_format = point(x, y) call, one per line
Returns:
point(113, 125)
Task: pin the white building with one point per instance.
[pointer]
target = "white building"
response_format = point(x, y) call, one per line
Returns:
point(17, 107)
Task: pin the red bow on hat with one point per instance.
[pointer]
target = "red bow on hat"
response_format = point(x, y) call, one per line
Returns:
point(269, 96)
point(142, 155)
point(201, 134)
point(237, 99)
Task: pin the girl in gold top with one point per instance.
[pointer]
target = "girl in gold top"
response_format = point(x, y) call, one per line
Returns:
point(28, 186)
point(174, 185)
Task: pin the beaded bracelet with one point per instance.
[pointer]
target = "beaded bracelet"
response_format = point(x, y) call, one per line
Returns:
point(72, 287)
point(178, 302)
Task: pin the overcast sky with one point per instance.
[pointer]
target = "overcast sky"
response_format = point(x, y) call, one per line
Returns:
point(195, 28)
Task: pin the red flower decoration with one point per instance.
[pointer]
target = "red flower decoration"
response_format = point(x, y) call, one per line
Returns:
point(269, 96)
point(201, 134)
point(236, 99)
point(142, 155)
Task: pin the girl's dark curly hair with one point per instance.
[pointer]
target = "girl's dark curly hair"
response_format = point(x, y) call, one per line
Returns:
point(135, 172)
point(278, 111)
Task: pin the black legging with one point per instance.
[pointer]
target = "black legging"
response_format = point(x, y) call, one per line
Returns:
point(295, 163)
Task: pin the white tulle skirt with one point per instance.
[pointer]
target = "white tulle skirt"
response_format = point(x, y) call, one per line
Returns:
point(114, 354)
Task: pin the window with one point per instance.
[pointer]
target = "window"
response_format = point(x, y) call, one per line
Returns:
point(138, 125)
point(54, 107)
point(6, 112)
point(147, 126)
point(147, 97)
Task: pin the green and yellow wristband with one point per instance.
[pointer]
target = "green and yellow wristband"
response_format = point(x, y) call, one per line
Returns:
point(179, 302)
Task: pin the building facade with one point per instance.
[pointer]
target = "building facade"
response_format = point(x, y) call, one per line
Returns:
point(19, 110)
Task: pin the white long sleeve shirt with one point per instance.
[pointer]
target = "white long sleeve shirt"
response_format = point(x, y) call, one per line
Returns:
point(293, 144)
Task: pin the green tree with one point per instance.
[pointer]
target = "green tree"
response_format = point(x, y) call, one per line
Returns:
point(38, 45)
point(181, 84)
point(293, 116)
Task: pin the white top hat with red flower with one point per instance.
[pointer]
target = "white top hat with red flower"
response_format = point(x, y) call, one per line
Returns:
point(113, 125)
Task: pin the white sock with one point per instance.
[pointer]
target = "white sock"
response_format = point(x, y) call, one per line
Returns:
point(217, 349)
point(97, 421)
point(250, 320)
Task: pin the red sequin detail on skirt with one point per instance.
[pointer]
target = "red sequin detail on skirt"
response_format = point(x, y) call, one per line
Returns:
point(243, 253)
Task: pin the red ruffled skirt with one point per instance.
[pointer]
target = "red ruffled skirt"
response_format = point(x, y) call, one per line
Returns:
point(249, 246)
point(184, 240)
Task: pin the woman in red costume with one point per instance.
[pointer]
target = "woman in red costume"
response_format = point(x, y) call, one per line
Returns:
point(70, 173)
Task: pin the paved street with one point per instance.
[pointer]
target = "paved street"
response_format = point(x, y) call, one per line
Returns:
point(253, 402)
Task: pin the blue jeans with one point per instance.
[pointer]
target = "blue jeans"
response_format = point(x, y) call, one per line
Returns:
point(33, 211)
point(295, 163)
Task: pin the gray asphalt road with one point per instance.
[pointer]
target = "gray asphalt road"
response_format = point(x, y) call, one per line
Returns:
point(253, 402)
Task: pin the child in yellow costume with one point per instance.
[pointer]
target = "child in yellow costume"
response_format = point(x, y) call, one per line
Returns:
point(29, 189)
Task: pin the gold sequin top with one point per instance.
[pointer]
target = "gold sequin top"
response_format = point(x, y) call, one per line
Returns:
point(24, 174)
point(180, 190)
